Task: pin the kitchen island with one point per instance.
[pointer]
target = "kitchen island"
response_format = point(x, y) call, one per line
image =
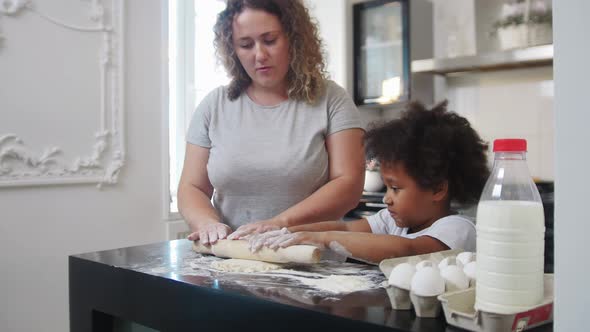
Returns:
point(168, 287)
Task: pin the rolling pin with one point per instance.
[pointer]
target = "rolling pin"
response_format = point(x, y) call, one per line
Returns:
point(239, 249)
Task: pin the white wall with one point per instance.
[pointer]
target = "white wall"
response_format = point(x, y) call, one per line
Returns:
point(572, 225)
point(331, 18)
point(510, 103)
point(41, 226)
point(499, 104)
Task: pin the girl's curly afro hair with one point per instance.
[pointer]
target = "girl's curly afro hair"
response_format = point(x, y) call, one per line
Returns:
point(434, 146)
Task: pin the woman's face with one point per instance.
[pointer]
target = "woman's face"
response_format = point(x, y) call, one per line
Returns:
point(262, 48)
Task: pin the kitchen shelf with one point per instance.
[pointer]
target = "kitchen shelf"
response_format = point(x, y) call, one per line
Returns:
point(516, 58)
point(374, 193)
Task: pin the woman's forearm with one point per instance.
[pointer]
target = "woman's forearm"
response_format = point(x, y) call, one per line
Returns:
point(342, 193)
point(331, 202)
point(195, 206)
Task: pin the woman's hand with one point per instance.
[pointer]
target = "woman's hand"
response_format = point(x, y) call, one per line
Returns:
point(209, 233)
point(255, 228)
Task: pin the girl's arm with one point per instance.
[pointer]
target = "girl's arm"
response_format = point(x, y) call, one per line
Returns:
point(364, 246)
point(360, 225)
point(257, 241)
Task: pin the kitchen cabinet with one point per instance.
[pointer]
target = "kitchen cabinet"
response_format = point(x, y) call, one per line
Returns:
point(381, 37)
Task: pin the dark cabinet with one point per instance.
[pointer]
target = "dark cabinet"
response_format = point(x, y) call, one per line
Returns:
point(381, 44)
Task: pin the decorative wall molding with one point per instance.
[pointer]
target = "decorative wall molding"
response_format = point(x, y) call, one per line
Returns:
point(11, 7)
point(23, 165)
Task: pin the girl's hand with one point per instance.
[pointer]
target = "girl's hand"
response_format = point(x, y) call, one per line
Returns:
point(257, 241)
point(209, 233)
point(254, 228)
point(290, 239)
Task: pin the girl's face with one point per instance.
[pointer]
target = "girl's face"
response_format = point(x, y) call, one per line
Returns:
point(262, 48)
point(409, 205)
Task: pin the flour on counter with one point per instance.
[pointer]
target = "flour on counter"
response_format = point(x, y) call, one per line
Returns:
point(194, 265)
point(306, 283)
point(339, 283)
point(244, 265)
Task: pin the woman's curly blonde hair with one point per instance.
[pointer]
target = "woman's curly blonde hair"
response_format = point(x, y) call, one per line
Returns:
point(306, 75)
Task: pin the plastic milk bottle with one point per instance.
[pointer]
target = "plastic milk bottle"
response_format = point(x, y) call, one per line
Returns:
point(510, 234)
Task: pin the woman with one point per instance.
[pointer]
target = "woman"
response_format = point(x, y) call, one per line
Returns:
point(280, 145)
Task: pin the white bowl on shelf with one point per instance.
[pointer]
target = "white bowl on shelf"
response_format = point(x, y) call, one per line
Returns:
point(373, 181)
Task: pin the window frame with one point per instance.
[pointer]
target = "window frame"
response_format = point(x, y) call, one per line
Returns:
point(179, 90)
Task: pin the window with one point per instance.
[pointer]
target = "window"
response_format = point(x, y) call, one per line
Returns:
point(193, 73)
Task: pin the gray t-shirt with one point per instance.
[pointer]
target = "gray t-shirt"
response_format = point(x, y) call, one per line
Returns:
point(265, 159)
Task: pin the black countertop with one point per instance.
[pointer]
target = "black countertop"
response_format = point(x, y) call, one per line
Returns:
point(168, 287)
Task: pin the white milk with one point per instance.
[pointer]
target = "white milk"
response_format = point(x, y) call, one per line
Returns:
point(510, 252)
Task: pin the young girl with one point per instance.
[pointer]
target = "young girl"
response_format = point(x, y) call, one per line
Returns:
point(428, 158)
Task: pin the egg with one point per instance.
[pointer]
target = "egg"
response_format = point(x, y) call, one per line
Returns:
point(424, 263)
point(455, 278)
point(427, 281)
point(466, 257)
point(401, 275)
point(470, 270)
point(449, 261)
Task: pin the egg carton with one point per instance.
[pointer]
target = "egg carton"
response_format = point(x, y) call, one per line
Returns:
point(459, 311)
point(402, 299)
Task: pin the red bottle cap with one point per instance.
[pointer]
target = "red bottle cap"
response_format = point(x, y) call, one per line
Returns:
point(510, 145)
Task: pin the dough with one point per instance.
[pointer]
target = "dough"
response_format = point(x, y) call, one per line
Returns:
point(239, 249)
point(243, 265)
